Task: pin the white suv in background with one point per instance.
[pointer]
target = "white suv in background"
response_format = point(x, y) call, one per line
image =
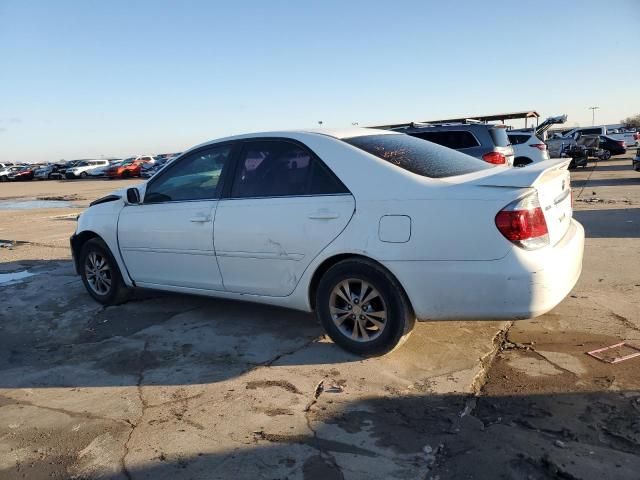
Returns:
point(527, 149)
point(83, 168)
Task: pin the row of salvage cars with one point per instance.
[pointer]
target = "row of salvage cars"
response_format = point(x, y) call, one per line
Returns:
point(140, 166)
point(370, 229)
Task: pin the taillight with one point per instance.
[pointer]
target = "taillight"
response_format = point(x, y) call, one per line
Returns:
point(494, 157)
point(522, 222)
point(540, 146)
point(636, 136)
point(621, 143)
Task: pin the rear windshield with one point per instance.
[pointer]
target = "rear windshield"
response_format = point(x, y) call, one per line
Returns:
point(518, 139)
point(499, 136)
point(418, 156)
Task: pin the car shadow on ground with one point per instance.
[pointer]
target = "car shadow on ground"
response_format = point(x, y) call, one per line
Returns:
point(610, 223)
point(587, 435)
point(55, 335)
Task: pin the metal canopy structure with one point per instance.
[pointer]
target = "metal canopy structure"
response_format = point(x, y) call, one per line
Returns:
point(500, 117)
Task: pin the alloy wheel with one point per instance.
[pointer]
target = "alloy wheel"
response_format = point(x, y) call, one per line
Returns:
point(358, 310)
point(98, 273)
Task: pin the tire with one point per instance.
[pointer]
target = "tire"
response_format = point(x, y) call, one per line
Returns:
point(606, 155)
point(50, 176)
point(83, 175)
point(522, 162)
point(125, 174)
point(93, 253)
point(383, 295)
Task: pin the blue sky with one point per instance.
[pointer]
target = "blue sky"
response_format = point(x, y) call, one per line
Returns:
point(89, 78)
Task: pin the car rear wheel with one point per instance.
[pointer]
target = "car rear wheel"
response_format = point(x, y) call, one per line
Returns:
point(101, 275)
point(363, 308)
point(606, 155)
point(83, 175)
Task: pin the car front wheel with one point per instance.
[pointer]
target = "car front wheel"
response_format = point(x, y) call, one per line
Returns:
point(363, 308)
point(101, 275)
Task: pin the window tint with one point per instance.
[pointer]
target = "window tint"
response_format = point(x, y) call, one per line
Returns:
point(418, 156)
point(276, 168)
point(455, 139)
point(518, 139)
point(590, 131)
point(195, 177)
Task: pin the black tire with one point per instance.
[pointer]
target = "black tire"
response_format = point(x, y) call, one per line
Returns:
point(3, 178)
point(83, 175)
point(400, 318)
point(125, 174)
point(118, 292)
point(50, 176)
point(606, 155)
point(522, 162)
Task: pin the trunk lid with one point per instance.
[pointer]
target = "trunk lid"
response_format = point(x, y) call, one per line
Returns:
point(551, 180)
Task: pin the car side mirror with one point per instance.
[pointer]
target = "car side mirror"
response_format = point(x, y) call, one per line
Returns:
point(133, 196)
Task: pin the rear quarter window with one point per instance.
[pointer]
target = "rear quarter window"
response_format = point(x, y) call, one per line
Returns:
point(417, 156)
point(518, 139)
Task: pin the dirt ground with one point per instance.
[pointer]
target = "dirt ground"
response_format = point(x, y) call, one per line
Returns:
point(178, 387)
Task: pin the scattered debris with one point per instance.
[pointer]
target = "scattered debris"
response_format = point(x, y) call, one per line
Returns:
point(560, 444)
point(334, 389)
point(615, 353)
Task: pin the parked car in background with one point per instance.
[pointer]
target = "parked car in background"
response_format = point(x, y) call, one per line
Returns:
point(8, 170)
point(44, 172)
point(61, 171)
point(4, 166)
point(611, 146)
point(635, 163)
point(21, 174)
point(630, 138)
point(481, 140)
point(131, 167)
point(149, 170)
point(101, 171)
point(82, 169)
point(447, 237)
point(528, 148)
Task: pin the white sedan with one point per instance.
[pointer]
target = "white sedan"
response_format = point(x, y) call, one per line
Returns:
point(370, 229)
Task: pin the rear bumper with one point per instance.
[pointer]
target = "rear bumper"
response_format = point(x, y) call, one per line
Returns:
point(524, 284)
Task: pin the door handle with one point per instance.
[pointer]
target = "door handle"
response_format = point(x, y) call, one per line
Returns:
point(323, 215)
point(200, 219)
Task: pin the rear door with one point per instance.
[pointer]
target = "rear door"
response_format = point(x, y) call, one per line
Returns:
point(282, 208)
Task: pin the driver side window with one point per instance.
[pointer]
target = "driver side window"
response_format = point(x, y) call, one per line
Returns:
point(195, 177)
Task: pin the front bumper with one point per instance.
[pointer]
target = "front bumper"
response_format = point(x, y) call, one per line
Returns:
point(523, 284)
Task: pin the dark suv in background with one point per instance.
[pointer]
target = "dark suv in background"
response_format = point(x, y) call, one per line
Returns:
point(481, 140)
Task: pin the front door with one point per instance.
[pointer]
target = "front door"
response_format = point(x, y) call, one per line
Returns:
point(283, 208)
point(167, 240)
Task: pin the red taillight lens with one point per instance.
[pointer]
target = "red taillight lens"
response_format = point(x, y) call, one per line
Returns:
point(621, 143)
point(636, 136)
point(522, 222)
point(540, 146)
point(494, 157)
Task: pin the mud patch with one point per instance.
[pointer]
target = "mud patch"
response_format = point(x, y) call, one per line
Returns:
point(289, 387)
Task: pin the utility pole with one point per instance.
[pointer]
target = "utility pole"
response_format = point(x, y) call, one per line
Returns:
point(593, 115)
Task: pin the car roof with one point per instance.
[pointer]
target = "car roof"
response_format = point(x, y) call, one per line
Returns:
point(338, 133)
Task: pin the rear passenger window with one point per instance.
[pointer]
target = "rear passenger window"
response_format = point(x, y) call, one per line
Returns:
point(518, 139)
point(453, 139)
point(278, 169)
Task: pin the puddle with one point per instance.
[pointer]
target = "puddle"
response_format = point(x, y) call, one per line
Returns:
point(14, 276)
point(33, 204)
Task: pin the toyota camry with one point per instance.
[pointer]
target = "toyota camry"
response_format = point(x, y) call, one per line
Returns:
point(370, 229)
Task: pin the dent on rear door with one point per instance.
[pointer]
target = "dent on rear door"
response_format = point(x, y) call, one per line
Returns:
point(264, 246)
